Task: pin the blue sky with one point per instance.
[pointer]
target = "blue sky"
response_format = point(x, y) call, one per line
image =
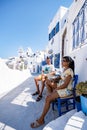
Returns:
point(24, 23)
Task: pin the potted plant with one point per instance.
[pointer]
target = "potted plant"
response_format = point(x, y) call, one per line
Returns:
point(81, 91)
point(81, 88)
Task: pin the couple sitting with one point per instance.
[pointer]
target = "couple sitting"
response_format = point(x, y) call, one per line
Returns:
point(61, 89)
point(47, 71)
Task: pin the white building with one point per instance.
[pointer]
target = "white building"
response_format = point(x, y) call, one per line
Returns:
point(71, 38)
point(76, 35)
point(54, 32)
point(35, 61)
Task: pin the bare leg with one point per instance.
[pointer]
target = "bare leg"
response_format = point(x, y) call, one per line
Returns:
point(42, 88)
point(49, 99)
point(36, 79)
point(50, 86)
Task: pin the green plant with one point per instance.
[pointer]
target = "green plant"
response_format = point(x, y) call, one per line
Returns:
point(81, 88)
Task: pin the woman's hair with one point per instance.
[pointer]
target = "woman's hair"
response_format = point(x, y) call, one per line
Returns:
point(48, 57)
point(71, 62)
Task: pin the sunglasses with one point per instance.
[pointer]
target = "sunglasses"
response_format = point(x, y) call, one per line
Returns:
point(64, 60)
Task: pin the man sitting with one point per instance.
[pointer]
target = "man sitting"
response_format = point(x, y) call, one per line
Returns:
point(47, 71)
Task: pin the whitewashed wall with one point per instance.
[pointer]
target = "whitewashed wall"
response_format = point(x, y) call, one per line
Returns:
point(79, 54)
point(57, 18)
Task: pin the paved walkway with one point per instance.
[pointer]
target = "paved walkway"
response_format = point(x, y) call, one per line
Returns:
point(18, 108)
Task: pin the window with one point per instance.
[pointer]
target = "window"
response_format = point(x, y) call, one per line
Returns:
point(54, 31)
point(49, 37)
point(79, 27)
point(57, 27)
point(57, 60)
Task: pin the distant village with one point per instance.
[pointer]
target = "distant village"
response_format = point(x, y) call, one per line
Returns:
point(27, 60)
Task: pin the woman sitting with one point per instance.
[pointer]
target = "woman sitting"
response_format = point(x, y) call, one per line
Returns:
point(60, 89)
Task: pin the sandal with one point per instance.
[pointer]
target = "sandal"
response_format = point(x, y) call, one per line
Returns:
point(36, 124)
point(39, 98)
point(36, 93)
